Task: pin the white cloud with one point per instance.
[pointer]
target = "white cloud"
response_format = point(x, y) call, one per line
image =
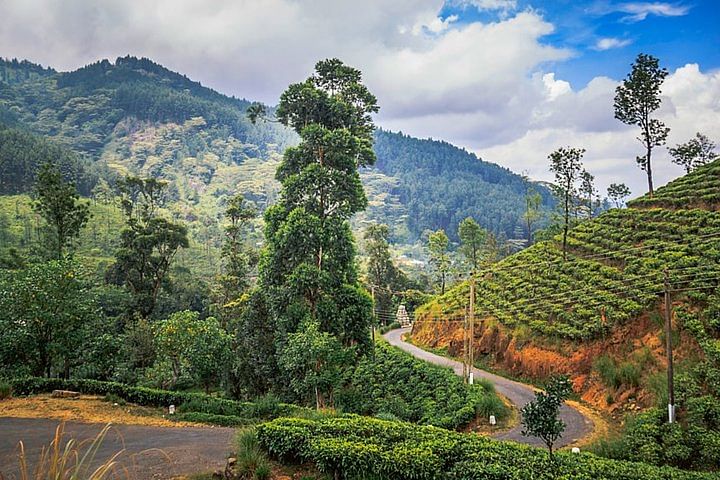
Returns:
point(639, 11)
point(485, 86)
point(584, 118)
point(506, 5)
point(610, 43)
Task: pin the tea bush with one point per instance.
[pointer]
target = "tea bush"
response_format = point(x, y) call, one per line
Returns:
point(358, 448)
point(396, 383)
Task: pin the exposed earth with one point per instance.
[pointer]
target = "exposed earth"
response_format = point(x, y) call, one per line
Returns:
point(578, 425)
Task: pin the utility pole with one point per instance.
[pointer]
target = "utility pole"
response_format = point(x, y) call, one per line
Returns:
point(372, 327)
point(668, 341)
point(465, 348)
point(471, 354)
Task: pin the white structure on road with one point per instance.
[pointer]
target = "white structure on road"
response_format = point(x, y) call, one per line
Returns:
point(402, 316)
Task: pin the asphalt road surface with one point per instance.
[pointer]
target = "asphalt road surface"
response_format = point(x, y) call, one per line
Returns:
point(577, 425)
point(148, 452)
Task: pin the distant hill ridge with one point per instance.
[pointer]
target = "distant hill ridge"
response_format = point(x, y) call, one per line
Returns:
point(135, 115)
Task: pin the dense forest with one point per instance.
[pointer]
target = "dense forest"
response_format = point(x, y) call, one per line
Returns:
point(135, 116)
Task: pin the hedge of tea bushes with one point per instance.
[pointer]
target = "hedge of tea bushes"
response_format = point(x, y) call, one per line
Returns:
point(361, 448)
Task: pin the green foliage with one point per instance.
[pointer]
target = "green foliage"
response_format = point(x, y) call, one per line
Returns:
point(148, 244)
point(213, 419)
point(5, 390)
point(393, 382)
point(190, 344)
point(566, 164)
point(613, 269)
point(541, 417)
point(694, 153)
point(251, 460)
point(359, 447)
point(46, 313)
point(472, 242)
point(57, 203)
point(185, 401)
point(437, 246)
point(313, 360)
point(439, 185)
point(618, 192)
point(636, 99)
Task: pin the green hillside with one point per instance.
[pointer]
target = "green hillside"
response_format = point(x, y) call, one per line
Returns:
point(136, 116)
point(598, 317)
point(615, 266)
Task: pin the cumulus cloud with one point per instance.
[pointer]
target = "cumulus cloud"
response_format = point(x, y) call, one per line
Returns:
point(585, 118)
point(488, 86)
point(610, 43)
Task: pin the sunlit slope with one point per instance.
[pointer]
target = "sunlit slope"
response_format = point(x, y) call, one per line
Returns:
point(613, 275)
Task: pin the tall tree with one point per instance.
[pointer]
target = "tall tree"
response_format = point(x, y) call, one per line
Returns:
point(382, 274)
point(438, 244)
point(618, 192)
point(566, 164)
point(308, 268)
point(533, 202)
point(44, 311)
point(635, 101)
point(148, 243)
point(57, 201)
point(472, 242)
point(588, 190)
point(693, 153)
point(238, 259)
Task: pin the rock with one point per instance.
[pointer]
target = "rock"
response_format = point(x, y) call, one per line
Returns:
point(232, 461)
point(64, 394)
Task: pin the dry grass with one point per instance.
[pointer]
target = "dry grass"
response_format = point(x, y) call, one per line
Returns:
point(88, 409)
point(71, 460)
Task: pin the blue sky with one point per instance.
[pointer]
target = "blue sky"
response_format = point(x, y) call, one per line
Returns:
point(676, 32)
point(511, 80)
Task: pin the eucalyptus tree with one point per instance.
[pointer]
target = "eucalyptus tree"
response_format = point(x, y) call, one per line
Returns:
point(636, 99)
point(148, 243)
point(566, 164)
point(59, 204)
point(472, 242)
point(307, 268)
point(618, 192)
point(694, 153)
point(437, 246)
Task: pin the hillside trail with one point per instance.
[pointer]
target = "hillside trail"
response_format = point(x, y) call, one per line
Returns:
point(577, 425)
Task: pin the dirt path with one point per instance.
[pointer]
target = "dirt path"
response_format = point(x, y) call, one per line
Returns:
point(577, 425)
point(149, 452)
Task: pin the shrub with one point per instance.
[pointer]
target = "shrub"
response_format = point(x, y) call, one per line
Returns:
point(209, 418)
point(186, 401)
point(5, 390)
point(251, 460)
point(360, 447)
point(396, 383)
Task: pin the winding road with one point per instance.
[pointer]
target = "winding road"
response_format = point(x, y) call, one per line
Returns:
point(577, 425)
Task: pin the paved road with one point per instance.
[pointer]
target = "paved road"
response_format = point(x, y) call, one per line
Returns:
point(149, 452)
point(577, 425)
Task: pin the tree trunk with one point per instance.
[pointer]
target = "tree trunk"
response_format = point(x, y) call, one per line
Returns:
point(648, 169)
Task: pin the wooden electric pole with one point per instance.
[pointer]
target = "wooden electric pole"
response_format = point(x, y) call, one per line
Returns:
point(668, 342)
point(471, 353)
point(372, 327)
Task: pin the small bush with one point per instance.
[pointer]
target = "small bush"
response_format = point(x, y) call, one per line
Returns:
point(629, 374)
point(209, 418)
point(251, 460)
point(5, 390)
point(113, 398)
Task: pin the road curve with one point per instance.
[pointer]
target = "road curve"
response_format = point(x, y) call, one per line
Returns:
point(577, 425)
point(147, 452)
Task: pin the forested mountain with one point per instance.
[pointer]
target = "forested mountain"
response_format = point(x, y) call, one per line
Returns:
point(135, 116)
